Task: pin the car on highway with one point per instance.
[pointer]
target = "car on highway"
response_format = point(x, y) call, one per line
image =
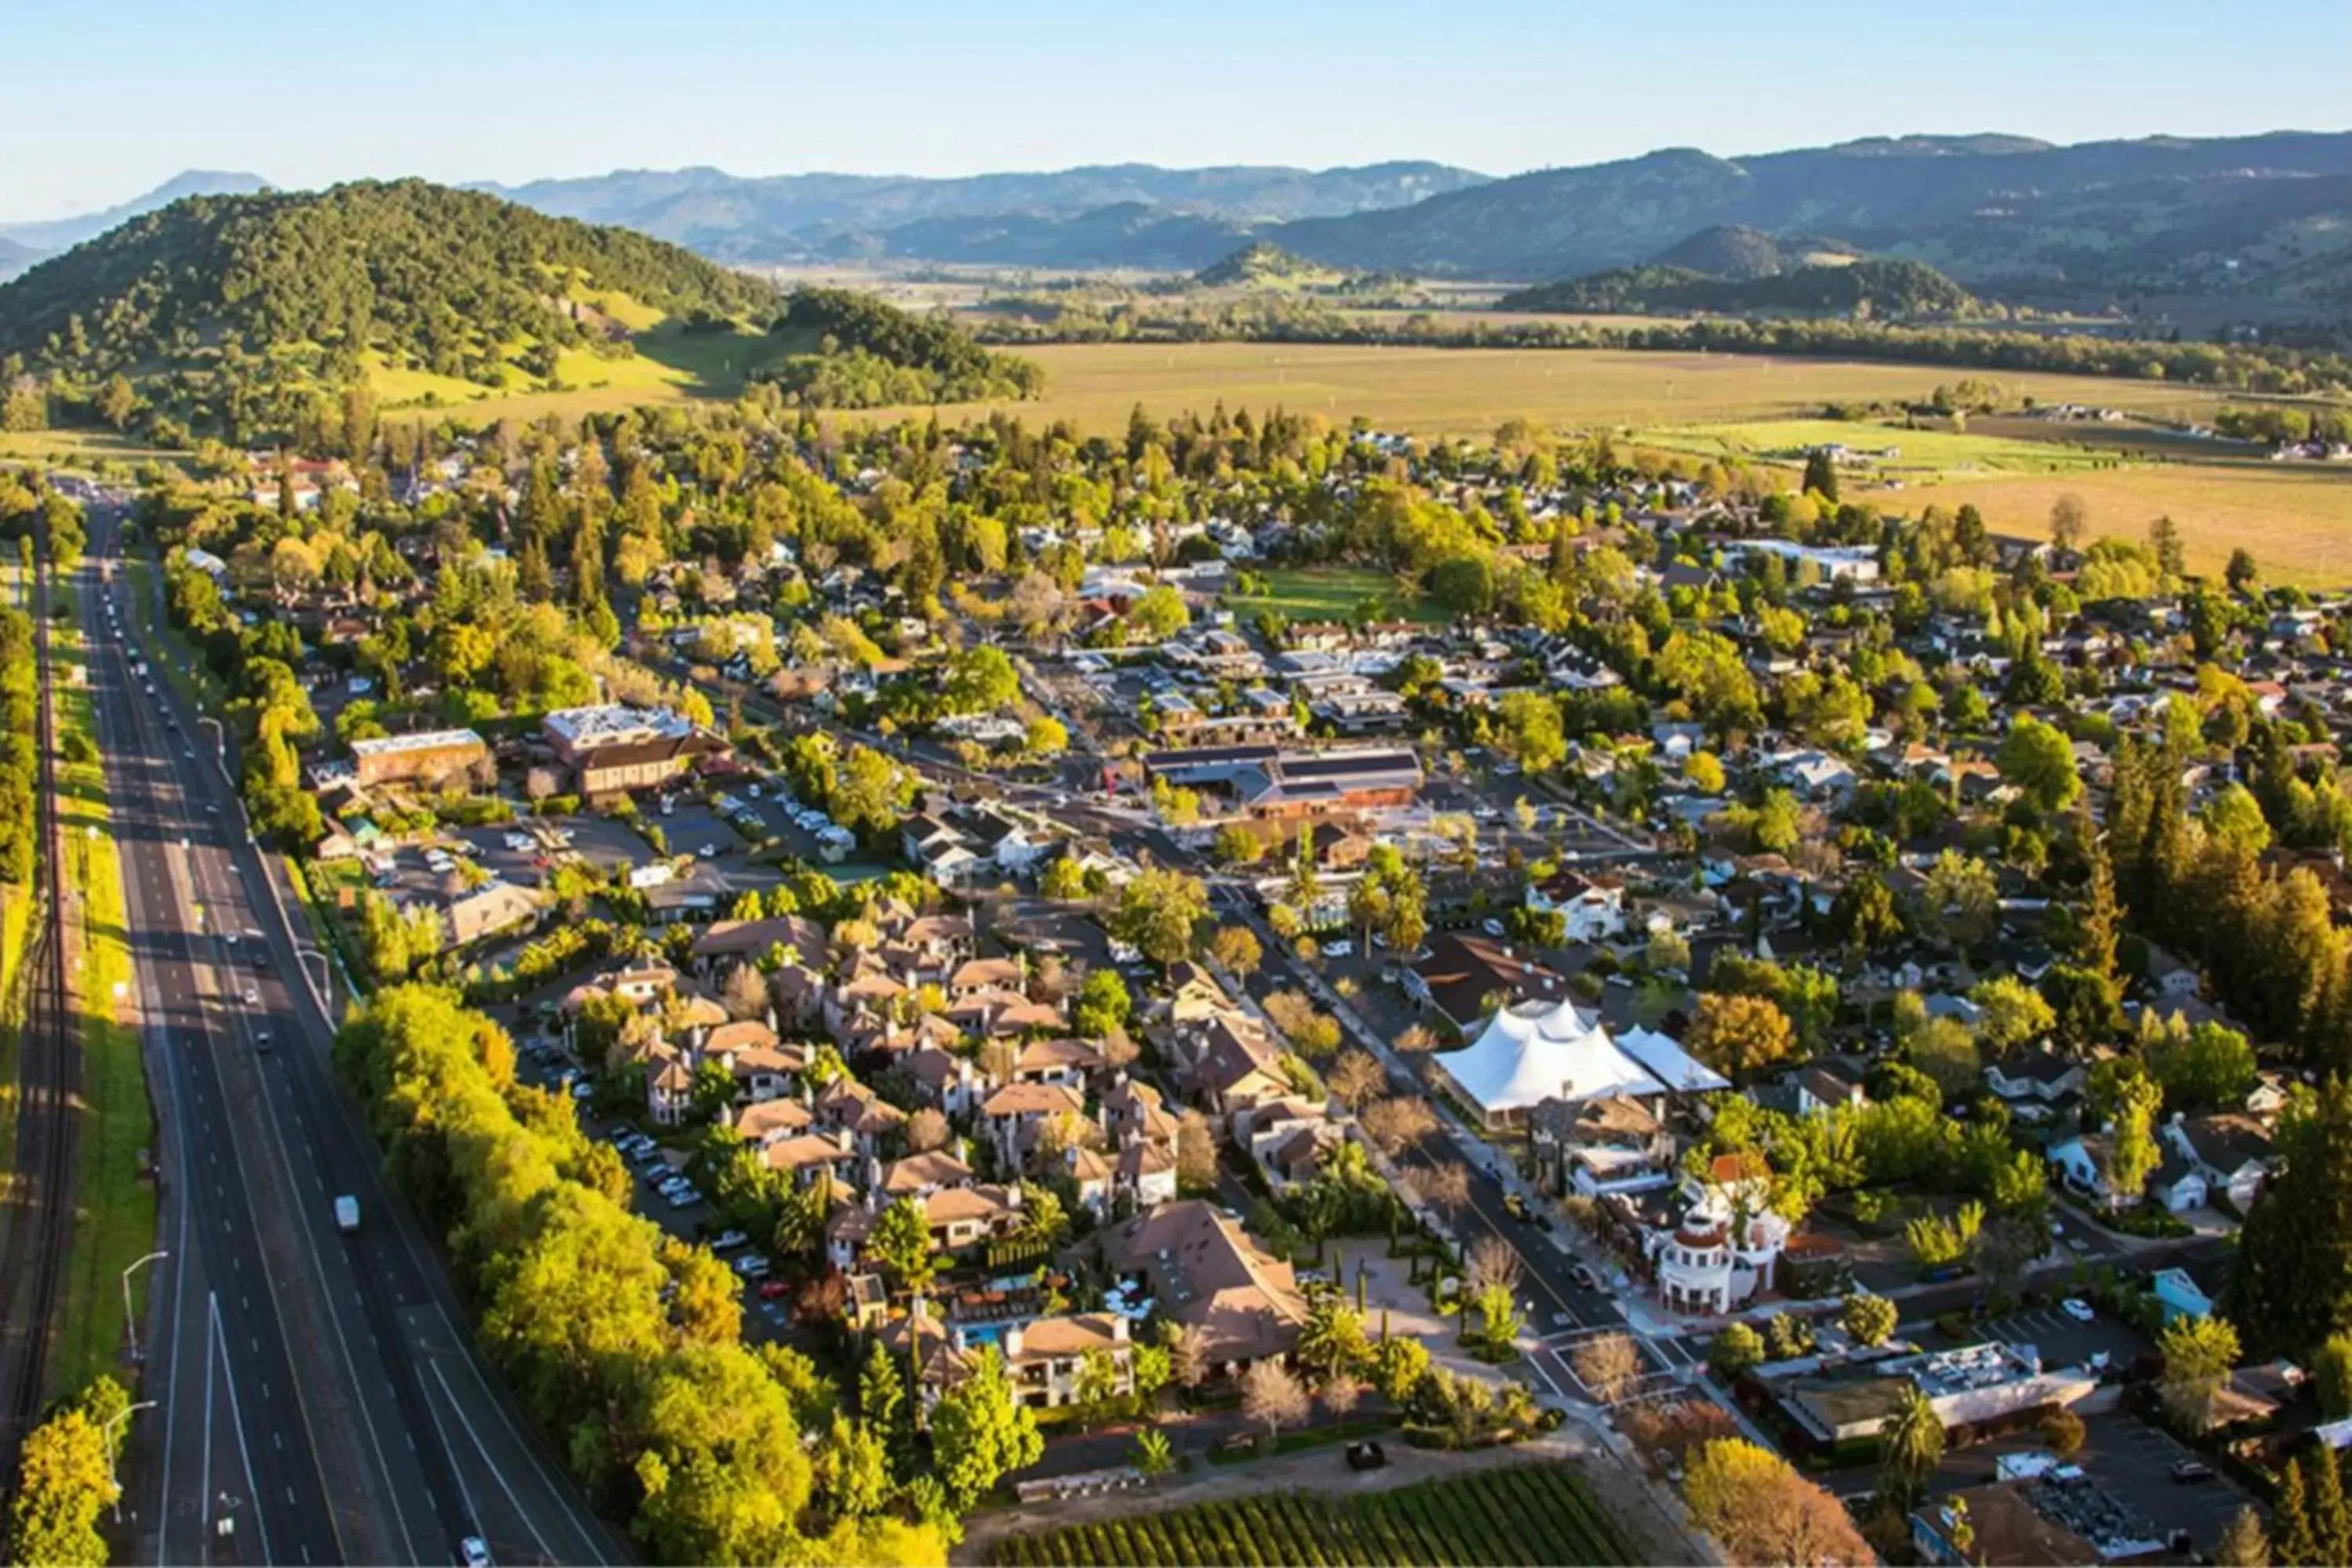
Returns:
point(474, 1553)
point(2078, 1309)
point(261, 1040)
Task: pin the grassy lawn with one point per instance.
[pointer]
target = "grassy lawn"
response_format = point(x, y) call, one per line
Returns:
point(1922, 453)
point(1529, 1513)
point(15, 925)
point(80, 449)
point(1332, 593)
point(115, 1220)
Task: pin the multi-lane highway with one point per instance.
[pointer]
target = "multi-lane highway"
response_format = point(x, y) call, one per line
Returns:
point(319, 1399)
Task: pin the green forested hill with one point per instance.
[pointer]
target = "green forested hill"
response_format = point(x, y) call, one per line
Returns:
point(219, 310)
point(845, 350)
point(1877, 287)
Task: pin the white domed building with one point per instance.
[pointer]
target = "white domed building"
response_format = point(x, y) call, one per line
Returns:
point(1727, 1246)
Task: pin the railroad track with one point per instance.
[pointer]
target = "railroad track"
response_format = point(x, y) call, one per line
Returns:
point(40, 1213)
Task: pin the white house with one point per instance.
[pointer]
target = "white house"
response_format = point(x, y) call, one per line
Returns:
point(1594, 912)
point(2232, 1151)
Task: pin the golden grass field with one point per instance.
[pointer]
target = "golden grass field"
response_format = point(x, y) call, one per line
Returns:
point(2296, 519)
point(1468, 391)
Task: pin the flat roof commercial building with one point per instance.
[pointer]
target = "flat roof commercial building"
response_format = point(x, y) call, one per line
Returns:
point(430, 755)
point(1271, 780)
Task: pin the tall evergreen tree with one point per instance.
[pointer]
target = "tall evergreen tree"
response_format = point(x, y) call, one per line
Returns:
point(2293, 1282)
point(2291, 1540)
point(2331, 1524)
point(2097, 924)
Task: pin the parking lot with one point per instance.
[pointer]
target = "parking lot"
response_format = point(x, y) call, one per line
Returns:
point(2061, 1340)
point(606, 843)
point(689, 827)
point(488, 848)
point(766, 1300)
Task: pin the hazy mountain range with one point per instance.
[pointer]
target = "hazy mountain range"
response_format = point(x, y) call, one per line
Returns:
point(2009, 216)
point(1112, 211)
point(2268, 214)
point(22, 244)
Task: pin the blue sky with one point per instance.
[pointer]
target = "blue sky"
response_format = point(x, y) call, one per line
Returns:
point(108, 98)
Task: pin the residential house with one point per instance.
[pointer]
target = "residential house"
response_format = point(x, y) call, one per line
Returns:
point(2232, 1150)
point(1009, 1117)
point(1463, 976)
point(1206, 1274)
point(2035, 1082)
point(1592, 907)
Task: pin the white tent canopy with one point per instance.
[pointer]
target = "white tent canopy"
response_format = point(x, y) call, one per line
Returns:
point(1669, 1063)
point(1539, 1050)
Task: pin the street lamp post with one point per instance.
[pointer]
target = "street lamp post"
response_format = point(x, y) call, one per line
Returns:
point(130, 1323)
point(107, 1436)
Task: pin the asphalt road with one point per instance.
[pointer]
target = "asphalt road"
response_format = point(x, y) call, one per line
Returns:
point(317, 1389)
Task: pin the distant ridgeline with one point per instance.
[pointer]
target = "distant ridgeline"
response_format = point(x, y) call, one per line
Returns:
point(852, 351)
point(221, 315)
point(1870, 287)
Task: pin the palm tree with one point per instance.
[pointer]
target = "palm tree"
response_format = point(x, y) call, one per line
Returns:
point(1911, 1445)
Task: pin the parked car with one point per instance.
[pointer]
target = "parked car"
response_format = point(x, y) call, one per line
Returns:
point(1583, 1274)
point(774, 1291)
point(1366, 1456)
point(1341, 949)
point(2078, 1309)
point(2188, 1472)
point(1491, 926)
point(728, 1240)
point(1516, 1206)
